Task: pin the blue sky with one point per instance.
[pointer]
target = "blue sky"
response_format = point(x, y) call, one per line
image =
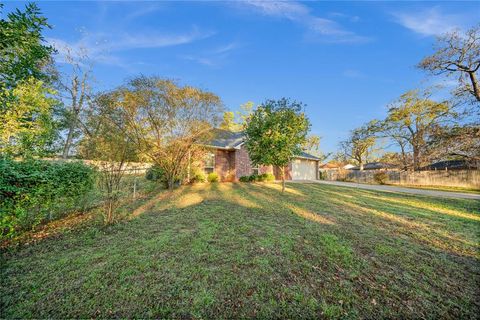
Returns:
point(345, 60)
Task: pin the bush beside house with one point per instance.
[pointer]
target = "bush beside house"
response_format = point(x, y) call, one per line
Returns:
point(266, 177)
point(212, 177)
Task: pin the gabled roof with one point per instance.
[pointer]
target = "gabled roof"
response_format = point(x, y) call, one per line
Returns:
point(376, 165)
point(307, 156)
point(224, 139)
point(330, 165)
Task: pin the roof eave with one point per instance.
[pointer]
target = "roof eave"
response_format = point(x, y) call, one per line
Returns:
point(217, 147)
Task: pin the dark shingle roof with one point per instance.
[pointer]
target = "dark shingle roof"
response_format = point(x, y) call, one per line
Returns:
point(307, 156)
point(376, 165)
point(224, 139)
point(451, 164)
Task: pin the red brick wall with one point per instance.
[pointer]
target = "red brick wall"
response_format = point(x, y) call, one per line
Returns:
point(231, 165)
point(242, 163)
point(225, 165)
point(266, 169)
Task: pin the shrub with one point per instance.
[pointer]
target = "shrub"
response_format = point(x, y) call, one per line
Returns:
point(212, 177)
point(380, 177)
point(322, 175)
point(155, 173)
point(197, 176)
point(261, 178)
point(268, 177)
point(34, 191)
point(244, 179)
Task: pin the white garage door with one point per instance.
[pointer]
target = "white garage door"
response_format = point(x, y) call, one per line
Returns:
point(304, 169)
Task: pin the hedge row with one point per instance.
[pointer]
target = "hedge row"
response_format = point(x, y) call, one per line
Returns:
point(258, 177)
point(35, 191)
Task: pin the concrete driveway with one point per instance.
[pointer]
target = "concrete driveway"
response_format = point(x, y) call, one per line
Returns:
point(425, 192)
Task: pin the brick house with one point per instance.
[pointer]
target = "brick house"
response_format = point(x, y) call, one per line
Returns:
point(229, 158)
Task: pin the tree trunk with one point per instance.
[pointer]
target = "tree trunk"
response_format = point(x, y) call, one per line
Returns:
point(68, 142)
point(283, 179)
point(476, 90)
point(171, 182)
point(404, 157)
point(361, 165)
point(416, 158)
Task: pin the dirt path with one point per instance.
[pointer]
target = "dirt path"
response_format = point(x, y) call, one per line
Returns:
point(425, 192)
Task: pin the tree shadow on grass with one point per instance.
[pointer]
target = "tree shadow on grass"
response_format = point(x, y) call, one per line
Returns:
point(397, 218)
point(229, 251)
point(398, 244)
point(210, 258)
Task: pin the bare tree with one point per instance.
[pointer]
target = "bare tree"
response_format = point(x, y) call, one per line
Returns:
point(457, 141)
point(75, 89)
point(312, 146)
point(359, 145)
point(400, 139)
point(457, 54)
point(108, 144)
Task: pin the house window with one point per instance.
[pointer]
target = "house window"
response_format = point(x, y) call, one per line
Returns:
point(255, 169)
point(209, 162)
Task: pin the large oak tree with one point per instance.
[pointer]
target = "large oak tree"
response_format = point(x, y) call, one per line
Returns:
point(457, 54)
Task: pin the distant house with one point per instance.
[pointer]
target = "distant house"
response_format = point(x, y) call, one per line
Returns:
point(229, 158)
point(348, 166)
point(376, 166)
point(330, 166)
point(453, 165)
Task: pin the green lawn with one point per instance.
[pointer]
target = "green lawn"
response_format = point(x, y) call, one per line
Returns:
point(246, 250)
point(439, 188)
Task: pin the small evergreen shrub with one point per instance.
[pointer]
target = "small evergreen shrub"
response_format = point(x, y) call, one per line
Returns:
point(265, 177)
point(212, 177)
point(155, 173)
point(322, 175)
point(244, 179)
point(380, 177)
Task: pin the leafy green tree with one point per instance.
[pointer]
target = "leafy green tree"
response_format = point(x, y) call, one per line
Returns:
point(26, 103)
point(28, 128)
point(235, 121)
point(275, 133)
point(228, 122)
point(23, 54)
point(166, 122)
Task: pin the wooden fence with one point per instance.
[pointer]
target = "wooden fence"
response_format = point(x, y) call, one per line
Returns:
point(450, 178)
point(130, 168)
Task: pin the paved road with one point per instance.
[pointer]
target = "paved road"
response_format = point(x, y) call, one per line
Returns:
point(425, 192)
